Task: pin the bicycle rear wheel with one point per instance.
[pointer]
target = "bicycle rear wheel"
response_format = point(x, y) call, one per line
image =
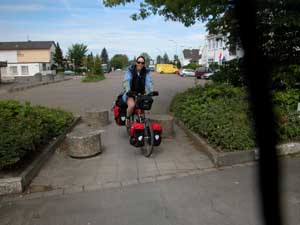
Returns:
point(147, 149)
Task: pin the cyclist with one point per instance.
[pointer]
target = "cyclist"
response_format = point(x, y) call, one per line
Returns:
point(137, 79)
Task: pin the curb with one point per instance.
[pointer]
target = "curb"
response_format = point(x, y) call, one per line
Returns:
point(65, 191)
point(17, 184)
point(237, 157)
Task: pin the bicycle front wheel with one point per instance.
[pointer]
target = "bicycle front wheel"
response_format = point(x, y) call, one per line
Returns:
point(147, 149)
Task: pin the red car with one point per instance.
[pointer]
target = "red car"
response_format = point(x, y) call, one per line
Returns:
point(200, 71)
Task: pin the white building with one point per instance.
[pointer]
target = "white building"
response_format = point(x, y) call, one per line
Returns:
point(27, 58)
point(216, 51)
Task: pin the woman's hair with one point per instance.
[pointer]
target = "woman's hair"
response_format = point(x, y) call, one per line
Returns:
point(141, 57)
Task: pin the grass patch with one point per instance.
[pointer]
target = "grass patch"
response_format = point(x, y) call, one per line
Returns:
point(93, 78)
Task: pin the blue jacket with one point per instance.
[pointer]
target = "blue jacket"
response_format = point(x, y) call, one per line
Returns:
point(127, 83)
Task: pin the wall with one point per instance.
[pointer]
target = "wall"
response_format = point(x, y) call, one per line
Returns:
point(9, 56)
point(28, 56)
point(33, 68)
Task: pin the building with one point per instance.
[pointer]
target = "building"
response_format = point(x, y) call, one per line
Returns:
point(191, 56)
point(216, 51)
point(27, 58)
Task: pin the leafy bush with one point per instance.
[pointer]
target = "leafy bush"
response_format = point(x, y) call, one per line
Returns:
point(286, 76)
point(92, 78)
point(220, 113)
point(24, 128)
point(192, 66)
point(231, 73)
point(288, 98)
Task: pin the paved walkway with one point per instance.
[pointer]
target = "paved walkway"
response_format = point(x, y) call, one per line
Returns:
point(120, 164)
point(225, 197)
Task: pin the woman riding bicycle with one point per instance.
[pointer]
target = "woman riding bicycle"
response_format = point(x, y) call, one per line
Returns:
point(137, 79)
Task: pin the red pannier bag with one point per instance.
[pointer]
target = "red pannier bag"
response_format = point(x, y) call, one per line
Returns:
point(137, 132)
point(157, 130)
point(117, 115)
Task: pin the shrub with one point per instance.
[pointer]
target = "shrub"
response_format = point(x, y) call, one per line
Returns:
point(93, 78)
point(231, 73)
point(220, 113)
point(23, 128)
point(192, 66)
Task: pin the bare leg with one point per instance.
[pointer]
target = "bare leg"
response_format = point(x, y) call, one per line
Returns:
point(131, 105)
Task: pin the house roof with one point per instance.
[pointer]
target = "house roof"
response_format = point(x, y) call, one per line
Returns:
point(192, 54)
point(26, 45)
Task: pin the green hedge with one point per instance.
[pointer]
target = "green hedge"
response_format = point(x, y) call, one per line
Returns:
point(220, 113)
point(23, 128)
point(93, 78)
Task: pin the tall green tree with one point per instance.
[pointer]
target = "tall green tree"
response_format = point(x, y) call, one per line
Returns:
point(97, 66)
point(104, 56)
point(166, 58)
point(159, 59)
point(277, 21)
point(119, 61)
point(58, 56)
point(147, 58)
point(90, 62)
point(76, 52)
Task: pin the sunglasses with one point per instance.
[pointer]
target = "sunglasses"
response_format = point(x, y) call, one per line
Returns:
point(139, 62)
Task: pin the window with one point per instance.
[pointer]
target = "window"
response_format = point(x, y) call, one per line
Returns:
point(44, 67)
point(13, 70)
point(24, 70)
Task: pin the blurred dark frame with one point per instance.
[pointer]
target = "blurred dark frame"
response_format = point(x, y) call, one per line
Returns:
point(258, 76)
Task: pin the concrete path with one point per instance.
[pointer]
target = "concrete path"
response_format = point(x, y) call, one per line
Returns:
point(120, 164)
point(227, 197)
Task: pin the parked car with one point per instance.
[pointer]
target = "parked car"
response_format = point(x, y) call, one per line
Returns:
point(200, 71)
point(187, 72)
point(69, 72)
point(152, 68)
point(207, 76)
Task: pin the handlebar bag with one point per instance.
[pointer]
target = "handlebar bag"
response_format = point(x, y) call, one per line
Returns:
point(144, 102)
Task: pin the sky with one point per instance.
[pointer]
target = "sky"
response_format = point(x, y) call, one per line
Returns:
point(89, 22)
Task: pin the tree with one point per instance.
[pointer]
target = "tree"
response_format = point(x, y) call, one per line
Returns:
point(104, 56)
point(158, 59)
point(97, 69)
point(58, 56)
point(76, 52)
point(166, 58)
point(119, 61)
point(277, 22)
point(147, 58)
point(90, 62)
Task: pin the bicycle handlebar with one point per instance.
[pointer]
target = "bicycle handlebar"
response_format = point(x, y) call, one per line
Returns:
point(133, 93)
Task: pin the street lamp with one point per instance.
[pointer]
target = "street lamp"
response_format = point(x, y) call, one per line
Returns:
point(176, 46)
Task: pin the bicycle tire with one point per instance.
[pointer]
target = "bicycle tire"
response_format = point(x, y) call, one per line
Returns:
point(147, 149)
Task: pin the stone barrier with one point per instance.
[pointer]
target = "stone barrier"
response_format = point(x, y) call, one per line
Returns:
point(49, 78)
point(38, 77)
point(97, 118)
point(167, 123)
point(84, 144)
